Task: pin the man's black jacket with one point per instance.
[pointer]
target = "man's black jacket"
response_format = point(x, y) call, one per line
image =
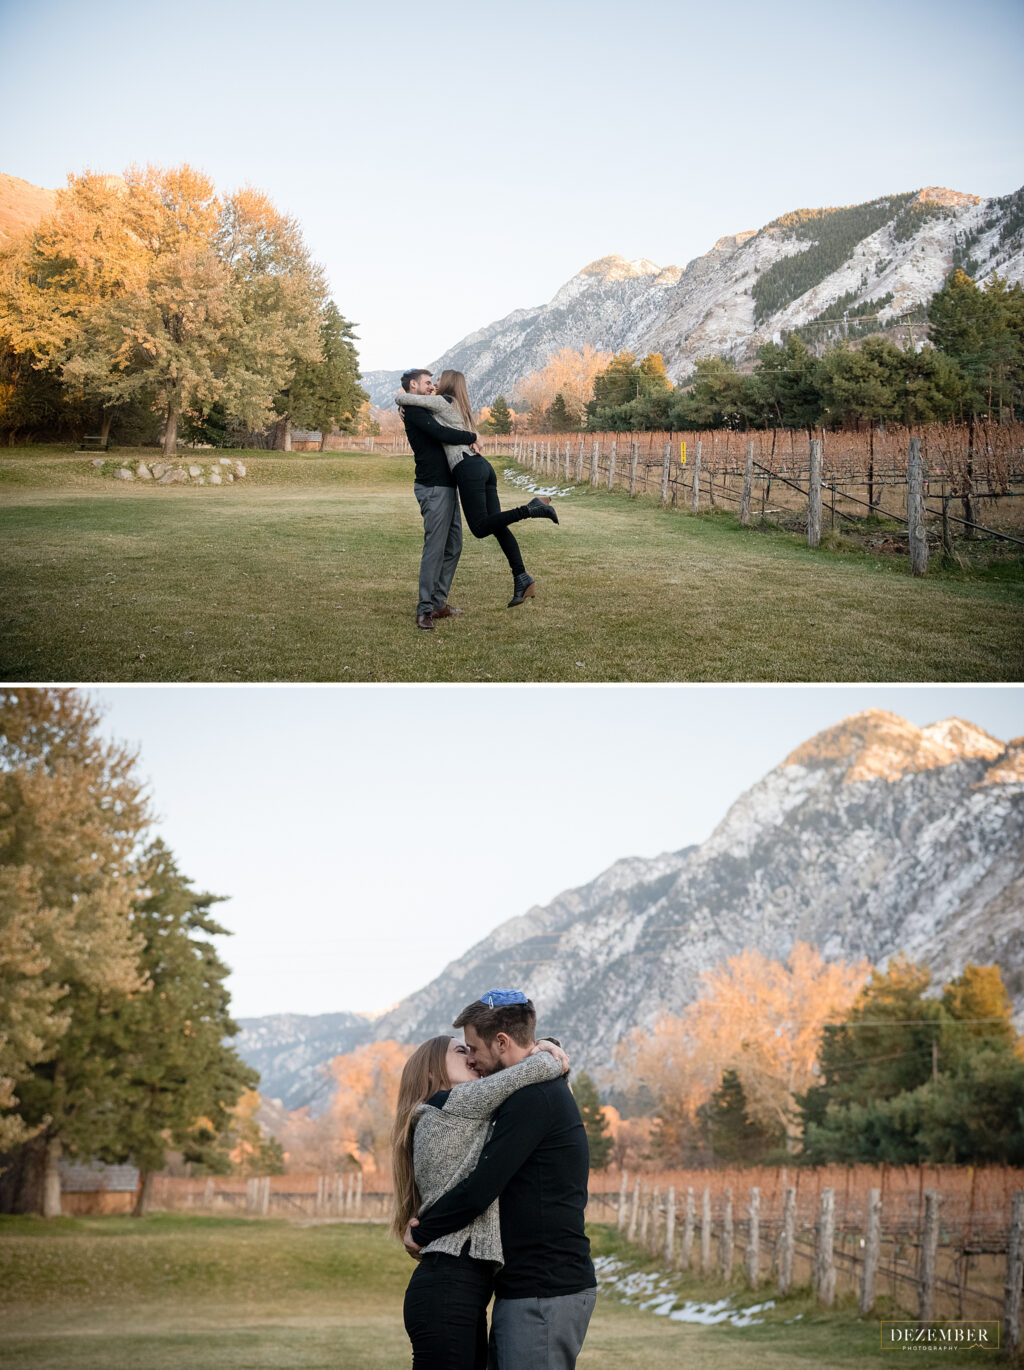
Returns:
point(536, 1162)
point(427, 438)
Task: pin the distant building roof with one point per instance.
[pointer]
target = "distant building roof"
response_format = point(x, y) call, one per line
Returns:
point(306, 435)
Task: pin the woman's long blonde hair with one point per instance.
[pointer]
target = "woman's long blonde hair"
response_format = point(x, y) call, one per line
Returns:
point(454, 383)
point(426, 1071)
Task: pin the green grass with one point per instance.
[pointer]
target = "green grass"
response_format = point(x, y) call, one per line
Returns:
point(218, 1294)
point(306, 570)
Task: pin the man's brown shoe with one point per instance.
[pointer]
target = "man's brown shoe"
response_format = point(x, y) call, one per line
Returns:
point(425, 621)
point(449, 611)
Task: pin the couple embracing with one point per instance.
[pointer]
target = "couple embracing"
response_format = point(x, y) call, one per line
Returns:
point(450, 465)
point(490, 1163)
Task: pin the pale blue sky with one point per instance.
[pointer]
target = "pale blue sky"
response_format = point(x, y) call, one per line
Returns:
point(451, 163)
point(368, 836)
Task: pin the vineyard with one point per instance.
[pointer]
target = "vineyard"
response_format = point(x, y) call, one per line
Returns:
point(941, 1241)
point(973, 475)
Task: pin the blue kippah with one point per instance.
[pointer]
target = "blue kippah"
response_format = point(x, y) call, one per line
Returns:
point(502, 998)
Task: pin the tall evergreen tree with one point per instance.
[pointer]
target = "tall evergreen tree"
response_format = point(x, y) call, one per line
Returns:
point(72, 811)
point(173, 1064)
point(499, 420)
point(558, 416)
point(325, 392)
point(735, 1137)
point(589, 1104)
point(973, 327)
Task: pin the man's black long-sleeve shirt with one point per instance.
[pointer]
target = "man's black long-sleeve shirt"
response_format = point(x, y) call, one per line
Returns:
point(536, 1163)
point(427, 438)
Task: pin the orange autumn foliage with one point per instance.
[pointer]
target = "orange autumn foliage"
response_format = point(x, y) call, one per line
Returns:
point(761, 1018)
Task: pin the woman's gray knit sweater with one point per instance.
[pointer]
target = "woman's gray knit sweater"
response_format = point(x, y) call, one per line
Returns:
point(447, 416)
point(448, 1141)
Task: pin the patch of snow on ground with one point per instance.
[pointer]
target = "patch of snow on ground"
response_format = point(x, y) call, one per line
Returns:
point(652, 1293)
point(528, 483)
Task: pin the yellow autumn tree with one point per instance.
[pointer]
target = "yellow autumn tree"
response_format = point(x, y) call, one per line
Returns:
point(762, 1019)
point(365, 1098)
point(154, 289)
point(567, 373)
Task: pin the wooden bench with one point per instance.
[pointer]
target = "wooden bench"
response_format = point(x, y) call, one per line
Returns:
point(96, 443)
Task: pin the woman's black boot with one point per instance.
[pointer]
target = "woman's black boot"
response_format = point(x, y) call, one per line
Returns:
point(542, 509)
point(523, 589)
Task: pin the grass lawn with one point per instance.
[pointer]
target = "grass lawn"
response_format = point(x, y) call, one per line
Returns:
point(306, 570)
point(224, 1294)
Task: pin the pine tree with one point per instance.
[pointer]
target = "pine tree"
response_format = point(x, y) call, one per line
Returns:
point(734, 1136)
point(72, 811)
point(173, 1063)
point(500, 419)
point(558, 415)
point(596, 1124)
point(325, 392)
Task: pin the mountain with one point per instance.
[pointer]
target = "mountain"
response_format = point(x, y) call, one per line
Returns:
point(873, 837)
point(289, 1049)
point(886, 258)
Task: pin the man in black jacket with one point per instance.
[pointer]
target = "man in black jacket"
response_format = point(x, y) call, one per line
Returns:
point(434, 487)
point(536, 1162)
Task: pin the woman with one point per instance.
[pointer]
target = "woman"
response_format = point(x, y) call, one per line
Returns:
point(441, 1122)
point(476, 481)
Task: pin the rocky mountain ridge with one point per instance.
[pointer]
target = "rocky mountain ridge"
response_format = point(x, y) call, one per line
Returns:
point(873, 837)
point(886, 258)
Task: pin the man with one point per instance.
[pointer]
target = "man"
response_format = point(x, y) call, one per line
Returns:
point(434, 487)
point(536, 1163)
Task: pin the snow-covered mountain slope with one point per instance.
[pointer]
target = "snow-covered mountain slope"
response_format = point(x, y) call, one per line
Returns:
point(872, 838)
point(885, 258)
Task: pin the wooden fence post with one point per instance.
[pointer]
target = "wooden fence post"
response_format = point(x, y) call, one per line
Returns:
point(929, 1245)
point(872, 1245)
point(645, 1218)
point(824, 1255)
point(686, 1254)
point(547, 460)
point(593, 461)
point(611, 465)
point(209, 1194)
point(533, 459)
point(670, 1228)
point(359, 1195)
point(788, 1238)
point(652, 1236)
point(620, 1222)
point(666, 471)
point(579, 463)
point(634, 458)
point(725, 1246)
point(915, 510)
point(1014, 1276)
point(634, 1211)
point(696, 476)
point(705, 1233)
point(814, 496)
point(754, 1239)
point(748, 484)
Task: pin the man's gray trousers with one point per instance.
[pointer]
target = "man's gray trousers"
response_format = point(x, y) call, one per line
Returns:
point(539, 1334)
point(442, 543)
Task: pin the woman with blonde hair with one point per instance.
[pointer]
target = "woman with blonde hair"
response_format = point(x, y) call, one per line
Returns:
point(476, 481)
point(441, 1122)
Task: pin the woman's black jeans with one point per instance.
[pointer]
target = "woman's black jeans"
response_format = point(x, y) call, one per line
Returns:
point(478, 491)
point(446, 1312)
